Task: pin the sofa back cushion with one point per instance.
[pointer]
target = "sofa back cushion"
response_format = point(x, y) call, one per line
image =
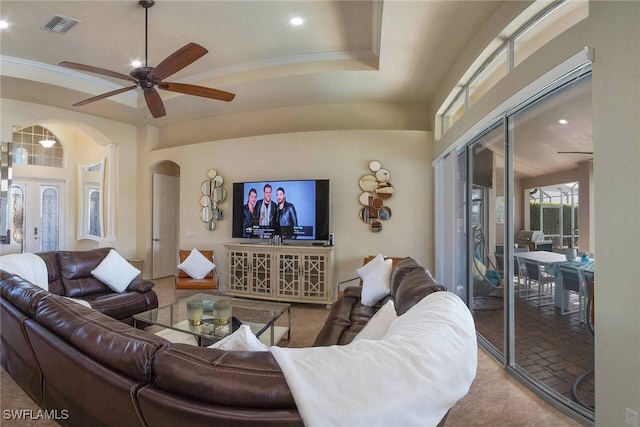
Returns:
point(410, 282)
point(75, 270)
point(53, 271)
point(21, 293)
point(90, 393)
point(400, 270)
point(114, 344)
point(249, 379)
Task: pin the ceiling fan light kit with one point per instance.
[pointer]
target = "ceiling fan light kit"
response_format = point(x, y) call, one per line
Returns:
point(148, 78)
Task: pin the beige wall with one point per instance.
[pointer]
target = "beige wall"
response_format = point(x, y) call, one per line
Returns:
point(84, 138)
point(340, 156)
point(616, 129)
point(613, 31)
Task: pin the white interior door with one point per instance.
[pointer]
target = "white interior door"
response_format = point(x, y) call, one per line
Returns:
point(37, 214)
point(165, 225)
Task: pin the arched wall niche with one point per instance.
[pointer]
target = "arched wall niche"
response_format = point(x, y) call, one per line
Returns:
point(166, 167)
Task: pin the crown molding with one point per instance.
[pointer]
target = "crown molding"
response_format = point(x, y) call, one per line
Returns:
point(63, 77)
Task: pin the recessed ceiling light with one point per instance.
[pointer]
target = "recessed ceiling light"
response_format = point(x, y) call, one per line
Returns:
point(3, 25)
point(136, 63)
point(296, 21)
point(563, 122)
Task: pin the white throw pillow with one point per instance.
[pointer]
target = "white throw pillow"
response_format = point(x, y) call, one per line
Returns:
point(370, 266)
point(197, 266)
point(115, 271)
point(241, 340)
point(379, 324)
point(377, 284)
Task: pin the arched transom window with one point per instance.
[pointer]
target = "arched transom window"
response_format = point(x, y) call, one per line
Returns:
point(36, 145)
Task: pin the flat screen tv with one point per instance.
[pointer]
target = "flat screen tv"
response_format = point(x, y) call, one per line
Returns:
point(291, 209)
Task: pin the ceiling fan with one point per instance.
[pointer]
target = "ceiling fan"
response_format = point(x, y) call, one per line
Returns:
point(575, 152)
point(147, 78)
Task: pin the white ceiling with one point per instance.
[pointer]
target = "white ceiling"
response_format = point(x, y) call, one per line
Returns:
point(395, 52)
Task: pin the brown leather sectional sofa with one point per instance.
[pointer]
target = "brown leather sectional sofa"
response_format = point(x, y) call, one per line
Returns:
point(70, 275)
point(410, 282)
point(95, 370)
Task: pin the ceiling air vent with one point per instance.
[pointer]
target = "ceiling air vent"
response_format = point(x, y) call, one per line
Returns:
point(60, 24)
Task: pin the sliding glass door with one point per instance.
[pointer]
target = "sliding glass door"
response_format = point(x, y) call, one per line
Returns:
point(526, 316)
point(553, 161)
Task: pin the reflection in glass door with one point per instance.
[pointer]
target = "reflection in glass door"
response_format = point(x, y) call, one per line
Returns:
point(486, 231)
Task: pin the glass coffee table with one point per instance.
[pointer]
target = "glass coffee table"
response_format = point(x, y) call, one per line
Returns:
point(260, 316)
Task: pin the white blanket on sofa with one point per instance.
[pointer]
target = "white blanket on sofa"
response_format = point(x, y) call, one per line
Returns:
point(411, 377)
point(33, 269)
point(28, 266)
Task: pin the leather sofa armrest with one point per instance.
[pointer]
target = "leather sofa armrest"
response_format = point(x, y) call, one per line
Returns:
point(353, 291)
point(338, 292)
point(140, 285)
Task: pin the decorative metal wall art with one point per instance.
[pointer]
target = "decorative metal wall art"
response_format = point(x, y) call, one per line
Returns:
point(213, 193)
point(376, 189)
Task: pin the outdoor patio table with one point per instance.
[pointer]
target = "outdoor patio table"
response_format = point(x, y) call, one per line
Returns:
point(552, 262)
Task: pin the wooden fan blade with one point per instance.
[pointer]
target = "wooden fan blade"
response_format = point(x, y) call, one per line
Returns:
point(197, 91)
point(154, 102)
point(575, 152)
point(177, 61)
point(104, 95)
point(96, 70)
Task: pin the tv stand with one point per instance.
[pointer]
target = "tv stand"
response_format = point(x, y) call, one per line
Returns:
point(281, 273)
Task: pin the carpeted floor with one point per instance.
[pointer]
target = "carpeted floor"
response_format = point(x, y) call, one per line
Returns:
point(495, 399)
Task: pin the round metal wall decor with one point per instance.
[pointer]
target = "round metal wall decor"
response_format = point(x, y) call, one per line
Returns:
point(212, 195)
point(376, 191)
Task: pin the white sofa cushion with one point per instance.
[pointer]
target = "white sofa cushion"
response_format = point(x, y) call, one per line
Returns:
point(115, 271)
point(377, 283)
point(196, 265)
point(370, 266)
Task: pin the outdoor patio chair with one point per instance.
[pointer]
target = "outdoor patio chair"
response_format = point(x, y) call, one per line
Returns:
point(544, 282)
point(571, 283)
point(519, 271)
